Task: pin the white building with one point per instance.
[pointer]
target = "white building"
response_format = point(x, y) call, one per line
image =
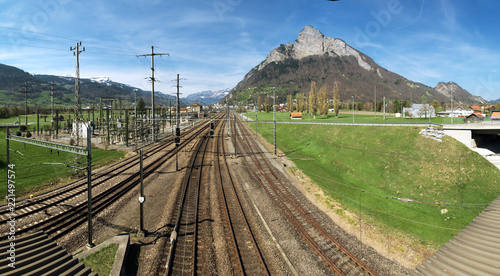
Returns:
point(83, 129)
point(459, 112)
point(419, 111)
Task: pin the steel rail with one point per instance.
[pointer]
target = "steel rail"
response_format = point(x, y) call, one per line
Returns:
point(288, 197)
point(221, 151)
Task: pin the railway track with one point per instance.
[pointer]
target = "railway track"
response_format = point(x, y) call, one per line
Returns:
point(73, 214)
point(186, 239)
point(337, 257)
point(249, 259)
point(57, 196)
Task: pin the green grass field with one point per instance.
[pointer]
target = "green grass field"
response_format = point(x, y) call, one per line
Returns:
point(44, 120)
point(365, 167)
point(345, 116)
point(32, 175)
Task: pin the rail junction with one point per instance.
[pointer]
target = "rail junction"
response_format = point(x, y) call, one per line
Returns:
point(219, 203)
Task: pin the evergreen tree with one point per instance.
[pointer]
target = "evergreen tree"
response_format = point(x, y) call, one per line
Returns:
point(141, 106)
point(397, 106)
point(435, 104)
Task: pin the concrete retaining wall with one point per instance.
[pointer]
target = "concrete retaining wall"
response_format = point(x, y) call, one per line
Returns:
point(463, 136)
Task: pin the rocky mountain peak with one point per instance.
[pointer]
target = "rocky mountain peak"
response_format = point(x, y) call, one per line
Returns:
point(446, 88)
point(459, 94)
point(312, 42)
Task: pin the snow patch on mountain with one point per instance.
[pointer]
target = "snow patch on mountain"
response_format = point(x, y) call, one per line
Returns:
point(208, 97)
point(100, 79)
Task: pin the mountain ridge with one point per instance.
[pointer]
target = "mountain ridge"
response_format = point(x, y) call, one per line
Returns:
point(208, 97)
point(12, 79)
point(315, 57)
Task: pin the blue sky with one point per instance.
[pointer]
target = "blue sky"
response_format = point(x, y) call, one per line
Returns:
point(214, 43)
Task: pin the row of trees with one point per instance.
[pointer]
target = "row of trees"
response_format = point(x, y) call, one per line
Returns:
point(315, 101)
point(11, 111)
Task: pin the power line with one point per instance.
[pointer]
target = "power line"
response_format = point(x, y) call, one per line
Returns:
point(152, 78)
point(26, 86)
point(38, 33)
point(76, 52)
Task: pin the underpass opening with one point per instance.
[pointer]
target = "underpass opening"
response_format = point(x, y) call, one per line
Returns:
point(487, 141)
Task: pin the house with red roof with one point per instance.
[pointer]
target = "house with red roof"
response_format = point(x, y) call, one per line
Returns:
point(477, 109)
point(495, 115)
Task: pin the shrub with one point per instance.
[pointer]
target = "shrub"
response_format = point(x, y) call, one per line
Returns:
point(28, 134)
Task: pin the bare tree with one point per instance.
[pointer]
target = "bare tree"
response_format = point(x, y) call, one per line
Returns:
point(266, 104)
point(313, 99)
point(424, 109)
point(259, 103)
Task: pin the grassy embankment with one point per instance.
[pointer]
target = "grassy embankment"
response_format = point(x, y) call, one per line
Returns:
point(363, 167)
point(102, 261)
point(33, 175)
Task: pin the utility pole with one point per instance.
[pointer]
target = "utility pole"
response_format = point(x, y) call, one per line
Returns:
point(76, 52)
point(177, 138)
point(178, 109)
point(26, 86)
point(375, 101)
point(52, 101)
point(227, 115)
point(274, 119)
point(384, 108)
point(352, 109)
point(170, 112)
point(135, 121)
point(451, 97)
point(152, 55)
point(141, 198)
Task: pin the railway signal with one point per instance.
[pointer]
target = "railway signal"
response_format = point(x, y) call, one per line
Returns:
point(177, 140)
point(177, 136)
point(212, 127)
